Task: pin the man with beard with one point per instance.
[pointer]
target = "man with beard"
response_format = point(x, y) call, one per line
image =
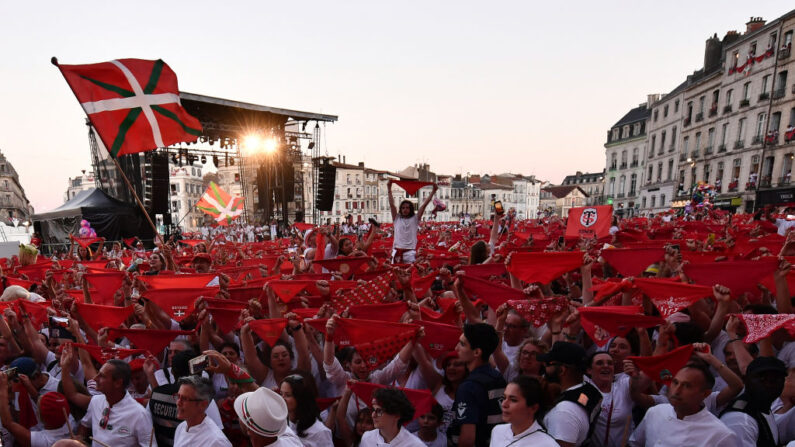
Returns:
point(749, 416)
point(574, 415)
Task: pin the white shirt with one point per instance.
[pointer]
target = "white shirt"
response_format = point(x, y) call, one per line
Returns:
point(46, 438)
point(205, 434)
point(784, 225)
point(406, 232)
point(129, 424)
point(502, 436)
point(785, 422)
point(318, 435)
point(660, 427)
point(617, 407)
point(287, 439)
point(746, 428)
point(404, 438)
point(567, 422)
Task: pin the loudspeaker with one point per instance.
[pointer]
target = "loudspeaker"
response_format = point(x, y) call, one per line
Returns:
point(159, 179)
point(327, 176)
point(263, 189)
point(288, 174)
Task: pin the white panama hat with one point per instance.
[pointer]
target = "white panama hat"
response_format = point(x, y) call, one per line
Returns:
point(263, 412)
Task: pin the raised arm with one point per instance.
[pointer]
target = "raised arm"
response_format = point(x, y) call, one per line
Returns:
point(392, 207)
point(428, 200)
point(256, 368)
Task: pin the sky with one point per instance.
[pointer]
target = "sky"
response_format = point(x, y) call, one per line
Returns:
point(482, 87)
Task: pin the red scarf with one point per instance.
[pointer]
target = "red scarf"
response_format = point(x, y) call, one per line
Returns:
point(605, 322)
point(669, 296)
point(447, 316)
point(439, 338)
point(484, 270)
point(85, 242)
point(663, 368)
point(286, 290)
point(152, 340)
point(421, 284)
point(106, 285)
point(632, 261)
point(347, 266)
point(738, 276)
point(544, 267)
point(381, 312)
point(492, 293)
point(411, 186)
point(761, 326)
point(269, 330)
point(98, 316)
point(539, 311)
point(371, 292)
point(178, 303)
point(102, 355)
point(225, 318)
point(177, 281)
point(422, 400)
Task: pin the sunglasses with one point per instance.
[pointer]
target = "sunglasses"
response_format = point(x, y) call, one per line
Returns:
point(103, 423)
point(178, 397)
point(378, 411)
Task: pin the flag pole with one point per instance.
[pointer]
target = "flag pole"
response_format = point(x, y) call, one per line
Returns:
point(137, 199)
point(54, 61)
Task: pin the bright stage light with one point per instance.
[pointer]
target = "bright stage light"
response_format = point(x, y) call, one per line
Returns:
point(252, 143)
point(270, 145)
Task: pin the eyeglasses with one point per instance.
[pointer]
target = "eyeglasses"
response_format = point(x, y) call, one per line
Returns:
point(378, 411)
point(178, 397)
point(103, 423)
point(529, 353)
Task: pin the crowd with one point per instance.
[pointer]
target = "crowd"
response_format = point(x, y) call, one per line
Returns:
point(663, 331)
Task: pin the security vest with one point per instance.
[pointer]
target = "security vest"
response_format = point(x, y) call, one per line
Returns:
point(742, 404)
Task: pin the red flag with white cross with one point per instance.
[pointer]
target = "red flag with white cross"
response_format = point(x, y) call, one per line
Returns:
point(133, 104)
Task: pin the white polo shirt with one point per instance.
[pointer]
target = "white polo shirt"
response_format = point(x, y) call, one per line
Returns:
point(660, 427)
point(404, 438)
point(317, 435)
point(46, 438)
point(205, 434)
point(129, 423)
point(535, 436)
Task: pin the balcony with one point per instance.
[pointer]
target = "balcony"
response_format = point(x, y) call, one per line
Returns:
point(721, 148)
point(713, 110)
point(750, 186)
point(764, 96)
point(784, 181)
point(779, 93)
point(694, 154)
point(771, 139)
point(757, 140)
point(620, 195)
point(623, 166)
point(727, 109)
point(682, 157)
point(732, 187)
point(766, 182)
point(634, 164)
point(784, 53)
point(745, 103)
point(739, 144)
point(613, 167)
point(687, 121)
point(708, 150)
point(699, 117)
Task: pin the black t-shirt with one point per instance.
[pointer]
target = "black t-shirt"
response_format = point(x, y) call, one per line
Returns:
point(164, 413)
point(477, 401)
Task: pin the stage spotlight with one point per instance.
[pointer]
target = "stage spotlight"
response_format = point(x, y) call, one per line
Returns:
point(270, 145)
point(252, 143)
point(216, 163)
point(204, 159)
point(203, 139)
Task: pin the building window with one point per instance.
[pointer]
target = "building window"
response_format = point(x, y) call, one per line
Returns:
point(621, 184)
point(670, 168)
point(636, 129)
point(765, 83)
point(746, 90)
point(665, 111)
point(676, 106)
point(615, 134)
point(685, 145)
point(701, 105)
point(653, 201)
point(729, 97)
point(633, 180)
point(760, 124)
point(656, 113)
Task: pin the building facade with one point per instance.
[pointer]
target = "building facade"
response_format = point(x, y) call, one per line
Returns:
point(14, 204)
point(186, 188)
point(82, 182)
point(625, 151)
point(592, 183)
point(558, 200)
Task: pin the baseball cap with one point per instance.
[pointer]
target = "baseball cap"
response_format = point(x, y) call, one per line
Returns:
point(766, 364)
point(24, 365)
point(566, 353)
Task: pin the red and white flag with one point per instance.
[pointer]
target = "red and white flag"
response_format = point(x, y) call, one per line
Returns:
point(589, 221)
point(132, 103)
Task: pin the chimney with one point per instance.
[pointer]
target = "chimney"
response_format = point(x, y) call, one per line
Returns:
point(712, 54)
point(361, 164)
point(651, 99)
point(754, 24)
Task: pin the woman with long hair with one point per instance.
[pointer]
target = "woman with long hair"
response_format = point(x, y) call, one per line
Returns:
point(300, 393)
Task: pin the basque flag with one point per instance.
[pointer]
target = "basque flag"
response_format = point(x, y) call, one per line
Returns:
point(132, 103)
